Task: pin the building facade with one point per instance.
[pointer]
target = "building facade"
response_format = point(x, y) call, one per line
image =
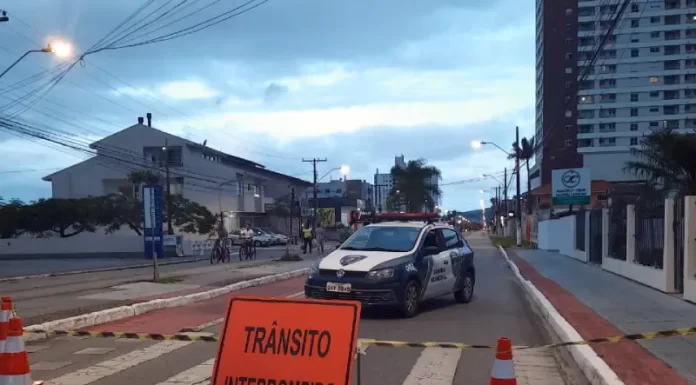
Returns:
point(644, 79)
point(239, 188)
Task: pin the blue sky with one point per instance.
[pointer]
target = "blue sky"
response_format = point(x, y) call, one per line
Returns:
point(357, 82)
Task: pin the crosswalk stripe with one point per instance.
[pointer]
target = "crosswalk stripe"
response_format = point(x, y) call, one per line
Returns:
point(117, 364)
point(195, 375)
point(435, 366)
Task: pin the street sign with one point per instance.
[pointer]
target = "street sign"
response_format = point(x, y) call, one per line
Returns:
point(287, 341)
point(571, 186)
point(153, 229)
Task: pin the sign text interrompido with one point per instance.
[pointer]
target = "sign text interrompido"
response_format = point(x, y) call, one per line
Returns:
point(571, 186)
point(269, 341)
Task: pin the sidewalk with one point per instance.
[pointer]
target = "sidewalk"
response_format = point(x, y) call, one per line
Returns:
point(600, 304)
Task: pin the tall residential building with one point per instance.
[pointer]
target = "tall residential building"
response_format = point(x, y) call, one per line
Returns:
point(643, 79)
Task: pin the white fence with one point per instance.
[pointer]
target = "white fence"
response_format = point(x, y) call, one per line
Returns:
point(670, 273)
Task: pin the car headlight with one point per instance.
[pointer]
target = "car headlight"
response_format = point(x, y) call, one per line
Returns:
point(381, 274)
point(314, 268)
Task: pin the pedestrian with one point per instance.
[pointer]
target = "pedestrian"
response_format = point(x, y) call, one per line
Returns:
point(319, 236)
point(307, 238)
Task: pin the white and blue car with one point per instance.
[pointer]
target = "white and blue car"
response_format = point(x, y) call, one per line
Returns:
point(397, 264)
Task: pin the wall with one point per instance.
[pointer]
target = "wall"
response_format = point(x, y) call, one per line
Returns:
point(80, 246)
point(583, 255)
point(557, 235)
point(690, 249)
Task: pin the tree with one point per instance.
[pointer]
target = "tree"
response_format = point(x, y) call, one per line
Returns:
point(15, 219)
point(665, 159)
point(526, 151)
point(413, 187)
point(191, 217)
point(65, 217)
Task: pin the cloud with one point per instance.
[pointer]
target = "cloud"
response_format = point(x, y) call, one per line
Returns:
point(357, 82)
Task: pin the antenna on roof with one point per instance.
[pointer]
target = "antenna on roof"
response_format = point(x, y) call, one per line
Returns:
point(205, 142)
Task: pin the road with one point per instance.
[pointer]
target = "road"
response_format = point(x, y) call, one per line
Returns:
point(14, 268)
point(48, 298)
point(498, 309)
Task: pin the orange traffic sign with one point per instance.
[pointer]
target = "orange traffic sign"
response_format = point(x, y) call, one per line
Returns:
point(287, 341)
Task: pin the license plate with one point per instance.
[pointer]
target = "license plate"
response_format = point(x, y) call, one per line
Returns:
point(338, 287)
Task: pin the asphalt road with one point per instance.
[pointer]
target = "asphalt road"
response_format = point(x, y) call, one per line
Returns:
point(498, 310)
point(14, 268)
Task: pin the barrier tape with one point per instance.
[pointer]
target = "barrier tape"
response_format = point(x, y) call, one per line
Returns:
point(363, 342)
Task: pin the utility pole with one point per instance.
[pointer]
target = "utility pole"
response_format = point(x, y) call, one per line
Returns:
point(292, 208)
point(505, 193)
point(314, 162)
point(170, 228)
point(518, 209)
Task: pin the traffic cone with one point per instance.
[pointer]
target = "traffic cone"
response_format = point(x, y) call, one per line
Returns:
point(503, 368)
point(14, 361)
point(5, 313)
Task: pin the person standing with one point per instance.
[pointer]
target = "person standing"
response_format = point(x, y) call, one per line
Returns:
point(319, 236)
point(307, 238)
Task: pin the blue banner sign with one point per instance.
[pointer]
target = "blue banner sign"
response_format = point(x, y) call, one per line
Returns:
point(153, 229)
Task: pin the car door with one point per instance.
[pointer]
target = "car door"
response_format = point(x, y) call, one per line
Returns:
point(454, 253)
point(437, 279)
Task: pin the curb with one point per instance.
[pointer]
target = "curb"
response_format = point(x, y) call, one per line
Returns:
point(118, 313)
point(592, 366)
point(114, 268)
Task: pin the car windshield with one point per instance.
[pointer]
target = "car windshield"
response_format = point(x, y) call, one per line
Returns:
point(268, 231)
point(259, 232)
point(383, 238)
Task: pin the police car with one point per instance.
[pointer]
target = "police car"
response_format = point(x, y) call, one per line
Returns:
point(397, 260)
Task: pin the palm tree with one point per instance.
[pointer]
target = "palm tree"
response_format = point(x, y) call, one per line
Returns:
point(526, 152)
point(413, 187)
point(666, 158)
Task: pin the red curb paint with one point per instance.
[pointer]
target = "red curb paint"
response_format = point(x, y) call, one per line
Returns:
point(631, 362)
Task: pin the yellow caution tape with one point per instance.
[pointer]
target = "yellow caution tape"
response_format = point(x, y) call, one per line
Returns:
point(364, 342)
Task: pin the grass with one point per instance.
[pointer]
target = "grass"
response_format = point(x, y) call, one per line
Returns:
point(169, 280)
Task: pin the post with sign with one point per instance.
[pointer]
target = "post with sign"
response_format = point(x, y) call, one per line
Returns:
point(287, 341)
point(153, 232)
point(571, 186)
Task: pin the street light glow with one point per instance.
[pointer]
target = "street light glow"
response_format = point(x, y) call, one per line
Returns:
point(61, 49)
point(344, 169)
point(476, 144)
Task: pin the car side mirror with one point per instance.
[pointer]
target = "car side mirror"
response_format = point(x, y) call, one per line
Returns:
point(430, 250)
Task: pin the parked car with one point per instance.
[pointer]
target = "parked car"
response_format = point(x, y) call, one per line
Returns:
point(259, 239)
point(263, 238)
point(281, 239)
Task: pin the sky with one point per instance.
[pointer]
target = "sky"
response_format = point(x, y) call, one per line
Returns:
point(357, 82)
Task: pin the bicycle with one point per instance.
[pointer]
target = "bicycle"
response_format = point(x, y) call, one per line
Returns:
point(220, 253)
point(247, 251)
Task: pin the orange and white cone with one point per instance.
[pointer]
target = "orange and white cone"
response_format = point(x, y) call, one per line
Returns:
point(5, 314)
point(14, 361)
point(503, 367)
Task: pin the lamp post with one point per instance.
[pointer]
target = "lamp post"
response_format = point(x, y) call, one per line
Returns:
point(59, 49)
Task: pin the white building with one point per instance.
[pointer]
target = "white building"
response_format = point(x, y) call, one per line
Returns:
point(644, 79)
point(240, 188)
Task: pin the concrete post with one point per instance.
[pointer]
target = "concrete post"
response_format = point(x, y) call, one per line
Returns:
point(690, 248)
point(668, 255)
point(587, 234)
point(605, 234)
point(631, 233)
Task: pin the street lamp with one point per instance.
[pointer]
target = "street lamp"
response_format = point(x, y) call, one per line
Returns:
point(343, 169)
point(60, 49)
point(476, 144)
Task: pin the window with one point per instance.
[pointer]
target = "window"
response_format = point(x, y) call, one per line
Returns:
point(567, 84)
point(635, 52)
point(569, 114)
point(655, 34)
point(569, 127)
point(569, 70)
point(569, 143)
point(654, 49)
point(635, 8)
point(655, 19)
point(569, 11)
point(634, 97)
point(634, 141)
point(634, 126)
point(634, 112)
point(654, 124)
point(655, 94)
point(451, 238)
point(654, 109)
point(387, 238)
point(654, 79)
point(635, 23)
point(568, 55)
point(240, 188)
point(568, 40)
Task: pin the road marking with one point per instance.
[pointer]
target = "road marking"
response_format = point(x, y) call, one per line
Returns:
point(536, 367)
point(195, 375)
point(435, 366)
point(110, 367)
point(296, 295)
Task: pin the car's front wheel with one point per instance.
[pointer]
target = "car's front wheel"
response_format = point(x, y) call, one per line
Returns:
point(411, 299)
point(466, 291)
